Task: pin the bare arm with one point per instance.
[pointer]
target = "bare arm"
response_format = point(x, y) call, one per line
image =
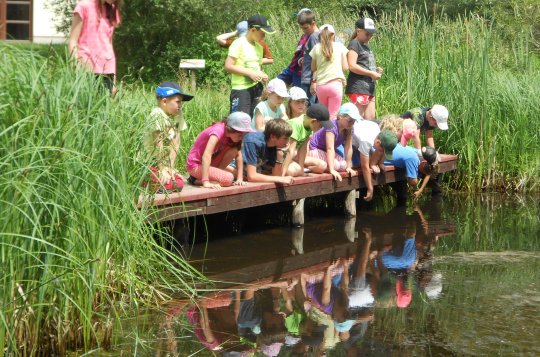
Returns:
point(429, 139)
point(222, 39)
point(302, 153)
point(206, 161)
point(425, 181)
point(239, 167)
point(366, 174)
point(331, 155)
point(352, 57)
point(254, 176)
point(259, 120)
point(231, 67)
point(289, 157)
point(74, 34)
point(344, 62)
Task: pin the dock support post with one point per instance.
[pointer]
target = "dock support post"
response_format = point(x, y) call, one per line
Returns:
point(350, 203)
point(298, 212)
point(298, 241)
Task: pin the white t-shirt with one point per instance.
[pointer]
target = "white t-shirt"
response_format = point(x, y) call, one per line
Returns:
point(329, 70)
point(364, 134)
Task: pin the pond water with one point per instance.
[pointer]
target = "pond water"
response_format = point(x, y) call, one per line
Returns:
point(452, 276)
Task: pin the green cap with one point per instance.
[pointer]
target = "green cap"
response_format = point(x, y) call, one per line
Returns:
point(388, 141)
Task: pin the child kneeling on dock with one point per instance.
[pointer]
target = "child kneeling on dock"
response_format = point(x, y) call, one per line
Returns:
point(317, 117)
point(259, 152)
point(214, 149)
point(162, 139)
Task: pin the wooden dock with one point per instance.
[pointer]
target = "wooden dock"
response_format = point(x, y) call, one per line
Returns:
point(196, 200)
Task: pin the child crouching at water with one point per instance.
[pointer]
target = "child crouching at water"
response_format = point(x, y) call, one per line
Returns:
point(162, 139)
point(215, 148)
point(324, 142)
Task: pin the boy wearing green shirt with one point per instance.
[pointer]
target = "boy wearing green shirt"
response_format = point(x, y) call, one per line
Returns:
point(316, 117)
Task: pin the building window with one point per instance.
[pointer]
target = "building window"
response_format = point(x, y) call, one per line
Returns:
point(16, 20)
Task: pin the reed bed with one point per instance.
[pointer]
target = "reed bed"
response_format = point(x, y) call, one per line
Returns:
point(75, 251)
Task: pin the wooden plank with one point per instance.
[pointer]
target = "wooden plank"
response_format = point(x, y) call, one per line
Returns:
point(193, 201)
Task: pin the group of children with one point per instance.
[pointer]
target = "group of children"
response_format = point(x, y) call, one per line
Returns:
point(265, 140)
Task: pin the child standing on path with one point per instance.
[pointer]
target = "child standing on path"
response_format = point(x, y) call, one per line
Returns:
point(306, 59)
point(317, 117)
point(363, 71)
point(244, 63)
point(328, 64)
point(323, 143)
point(271, 104)
point(293, 73)
point(215, 148)
point(162, 139)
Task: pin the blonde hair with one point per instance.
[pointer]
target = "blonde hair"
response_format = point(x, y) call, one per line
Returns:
point(264, 95)
point(326, 39)
point(392, 122)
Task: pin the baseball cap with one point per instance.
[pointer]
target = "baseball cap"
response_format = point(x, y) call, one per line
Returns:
point(168, 89)
point(240, 121)
point(278, 87)
point(320, 112)
point(297, 93)
point(366, 24)
point(241, 28)
point(440, 114)
point(388, 141)
point(351, 110)
point(429, 154)
point(329, 27)
point(259, 22)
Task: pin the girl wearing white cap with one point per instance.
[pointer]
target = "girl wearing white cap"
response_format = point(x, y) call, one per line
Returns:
point(297, 103)
point(271, 104)
point(329, 62)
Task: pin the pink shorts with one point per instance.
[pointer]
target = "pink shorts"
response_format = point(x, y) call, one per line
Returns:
point(361, 99)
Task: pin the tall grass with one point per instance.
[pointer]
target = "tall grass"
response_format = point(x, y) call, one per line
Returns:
point(74, 249)
point(491, 87)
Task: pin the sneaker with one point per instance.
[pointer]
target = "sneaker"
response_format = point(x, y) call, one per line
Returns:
point(191, 180)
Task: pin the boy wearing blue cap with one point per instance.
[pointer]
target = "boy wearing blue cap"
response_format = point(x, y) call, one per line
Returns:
point(162, 139)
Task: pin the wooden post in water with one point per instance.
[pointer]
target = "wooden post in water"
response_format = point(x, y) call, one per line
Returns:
point(350, 203)
point(298, 212)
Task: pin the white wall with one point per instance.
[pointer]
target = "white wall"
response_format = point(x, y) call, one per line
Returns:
point(43, 25)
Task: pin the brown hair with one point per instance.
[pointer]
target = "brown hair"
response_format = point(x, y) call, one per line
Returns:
point(277, 127)
point(110, 11)
point(305, 17)
point(326, 39)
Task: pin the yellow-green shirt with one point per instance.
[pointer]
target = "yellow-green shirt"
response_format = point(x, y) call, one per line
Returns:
point(248, 56)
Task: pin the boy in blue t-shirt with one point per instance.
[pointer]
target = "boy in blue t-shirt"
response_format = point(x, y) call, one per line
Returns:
point(259, 151)
point(404, 158)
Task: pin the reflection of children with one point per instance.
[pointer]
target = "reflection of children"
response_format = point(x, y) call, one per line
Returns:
point(163, 139)
point(271, 104)
point(323, 143)
point(363, 71)
point(302, 128)
point(244, 62)
point(215, 148)
point(226, 39)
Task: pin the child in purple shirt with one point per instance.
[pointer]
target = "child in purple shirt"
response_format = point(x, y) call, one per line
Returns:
point(323, 143)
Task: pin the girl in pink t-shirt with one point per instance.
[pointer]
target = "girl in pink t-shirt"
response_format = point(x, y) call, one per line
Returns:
point(90, 39)
point(215, 148)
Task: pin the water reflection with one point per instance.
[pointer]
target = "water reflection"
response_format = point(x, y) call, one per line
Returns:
point(312, 300)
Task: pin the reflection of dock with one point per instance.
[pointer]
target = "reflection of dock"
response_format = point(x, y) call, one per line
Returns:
point(194, 201)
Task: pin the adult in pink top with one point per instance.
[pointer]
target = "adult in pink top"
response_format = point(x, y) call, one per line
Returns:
point(90, 39)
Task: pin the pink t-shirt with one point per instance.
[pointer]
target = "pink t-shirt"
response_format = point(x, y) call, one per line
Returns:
point(194, 158)
point(95, 41)
point(409, 131)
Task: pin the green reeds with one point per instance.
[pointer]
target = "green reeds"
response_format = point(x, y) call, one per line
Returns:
point(75, 250)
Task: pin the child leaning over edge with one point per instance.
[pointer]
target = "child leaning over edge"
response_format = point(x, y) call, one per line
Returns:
point(317, 117)
point(259, 152)
point(162, 139)
point(324, 142)
point(215, 148)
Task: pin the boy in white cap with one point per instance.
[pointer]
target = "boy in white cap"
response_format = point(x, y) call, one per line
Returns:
point(426, 120)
